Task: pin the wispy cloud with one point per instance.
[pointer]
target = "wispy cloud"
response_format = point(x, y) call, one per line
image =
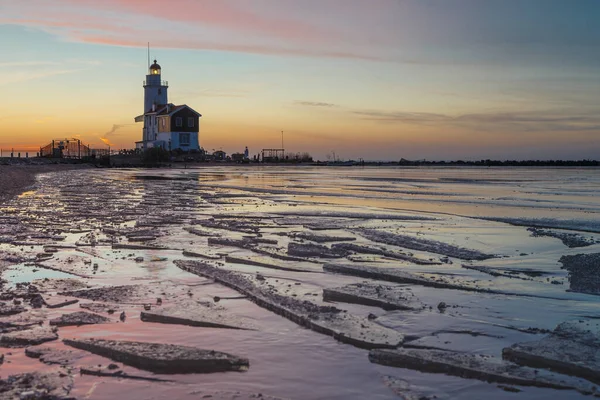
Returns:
point(222, 14)
point(545, 120)
point(176, 42)
point(105, 138)
point(231, 26)
point(115, 128)
point(315, 104)
point(402, 116)
point(14, 64)
point(221, 93)
point(82, 61)
point(314, 135)
point(26, 70)
point(23, 76)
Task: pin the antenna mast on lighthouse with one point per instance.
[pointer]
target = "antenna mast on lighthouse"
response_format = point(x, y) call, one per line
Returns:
point(148, 55)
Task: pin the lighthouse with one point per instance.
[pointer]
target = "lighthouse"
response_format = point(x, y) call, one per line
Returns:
point(155, 89)
point(155, 93)
point(172, 127)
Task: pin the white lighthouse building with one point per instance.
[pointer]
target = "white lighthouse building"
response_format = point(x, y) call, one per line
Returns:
point(172, 127)
point(155, 89)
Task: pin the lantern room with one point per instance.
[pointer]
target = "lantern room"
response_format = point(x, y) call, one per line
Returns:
point(154, 69)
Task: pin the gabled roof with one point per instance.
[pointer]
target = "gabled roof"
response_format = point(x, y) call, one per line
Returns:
point(157, 108)
point(170, 109)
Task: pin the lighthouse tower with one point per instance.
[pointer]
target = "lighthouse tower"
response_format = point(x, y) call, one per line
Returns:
point(155, 95)
point(166, 125)
point(155, 90)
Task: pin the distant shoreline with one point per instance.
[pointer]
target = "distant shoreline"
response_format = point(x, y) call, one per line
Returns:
point(179, 163)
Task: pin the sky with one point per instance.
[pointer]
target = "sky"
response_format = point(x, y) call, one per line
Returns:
point(370, 79)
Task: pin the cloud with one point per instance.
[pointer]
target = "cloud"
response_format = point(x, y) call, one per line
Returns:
point(314, 104)
point(84, 62)
point(223, 25)
point(115, 128)
point(314, 136)
point(402, 116)
point(545, 120)
point(22, 76)
point(522, 121)
point(12, 64)
point(222, 14)
point(217, 93)
point(464, 32)
point(199, 44)
point(22, 71)
point(106, 136)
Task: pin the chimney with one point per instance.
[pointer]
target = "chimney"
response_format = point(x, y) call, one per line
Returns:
point(153, 107)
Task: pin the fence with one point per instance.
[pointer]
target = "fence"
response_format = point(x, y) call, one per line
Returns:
point(18, 152)
point(71, 148)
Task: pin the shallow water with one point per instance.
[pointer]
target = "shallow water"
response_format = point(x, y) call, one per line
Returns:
point(25, 273)
point(95, 209)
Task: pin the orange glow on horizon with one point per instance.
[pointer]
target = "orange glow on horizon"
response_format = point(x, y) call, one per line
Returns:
point(374, 82)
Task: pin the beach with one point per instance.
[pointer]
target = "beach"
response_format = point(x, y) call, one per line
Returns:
point(16, 178)
point(301, 282)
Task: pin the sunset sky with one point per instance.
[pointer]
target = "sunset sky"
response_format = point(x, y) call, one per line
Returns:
point(376, 79)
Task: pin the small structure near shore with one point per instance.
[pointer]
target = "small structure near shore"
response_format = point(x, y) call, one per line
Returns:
point(272, 155)
point(71, 148)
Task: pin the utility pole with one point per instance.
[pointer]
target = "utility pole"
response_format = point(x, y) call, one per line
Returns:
point(281, 140)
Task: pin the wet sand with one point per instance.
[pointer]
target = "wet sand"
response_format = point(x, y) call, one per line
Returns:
point(15, 179)
point(240, 261)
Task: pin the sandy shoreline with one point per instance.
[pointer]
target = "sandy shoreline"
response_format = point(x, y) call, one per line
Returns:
point(15, 179)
